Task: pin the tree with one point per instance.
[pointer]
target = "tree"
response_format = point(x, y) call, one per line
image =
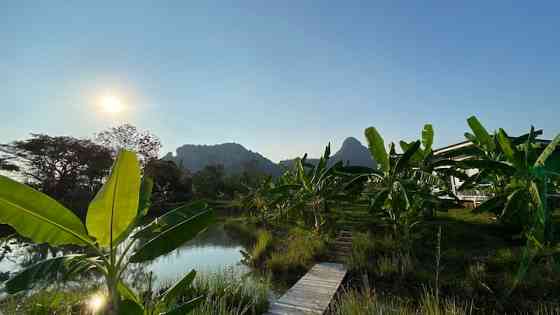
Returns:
point(112, 228)
point(209, 182)
point(65, 168)
point(128, 137)
point(171, 183)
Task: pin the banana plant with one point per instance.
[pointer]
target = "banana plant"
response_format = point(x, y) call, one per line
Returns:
point(312, 188)
point(111, 238)
point(523, 198)
point(399, 189)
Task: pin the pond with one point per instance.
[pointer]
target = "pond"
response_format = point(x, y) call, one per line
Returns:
point(212, 251)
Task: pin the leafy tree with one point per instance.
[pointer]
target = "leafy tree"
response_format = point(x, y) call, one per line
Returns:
point(171, 183)
point(65, 168)
point(128, 137)
point(209, 182)
point(109, 235)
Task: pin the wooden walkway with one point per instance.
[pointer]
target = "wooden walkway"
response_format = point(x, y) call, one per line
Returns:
point(313, 293)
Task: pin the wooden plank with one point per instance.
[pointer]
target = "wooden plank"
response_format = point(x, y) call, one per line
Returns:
point(313, 293)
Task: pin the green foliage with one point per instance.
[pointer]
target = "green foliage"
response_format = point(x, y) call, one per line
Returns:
point(257, 255)
point(113, 216)
point(227, 292)
point(65, 168)
point(297, 254)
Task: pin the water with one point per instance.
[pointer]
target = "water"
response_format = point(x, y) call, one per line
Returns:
point(212, 251)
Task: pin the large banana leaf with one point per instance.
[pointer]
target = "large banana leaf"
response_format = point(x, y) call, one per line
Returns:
point(39, 217)
point(550, 148)
point(481, 134)
point(145, 194)
point(377, 149)
point(509, 150)
point(45, 270)
point(427, 138)
point(170, 219)
point(172, 238)
point(185, 308)
point(115, 206)
point(180, 286)
point(404, 160)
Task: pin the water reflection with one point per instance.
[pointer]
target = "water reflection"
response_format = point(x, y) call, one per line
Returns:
point(211, 251)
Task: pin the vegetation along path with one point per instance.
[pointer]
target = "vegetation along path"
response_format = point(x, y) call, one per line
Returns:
point(313, 293)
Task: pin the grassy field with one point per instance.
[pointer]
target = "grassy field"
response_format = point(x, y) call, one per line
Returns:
point(476, 266)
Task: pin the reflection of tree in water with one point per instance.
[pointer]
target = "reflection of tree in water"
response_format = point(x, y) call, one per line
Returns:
point(214, 236)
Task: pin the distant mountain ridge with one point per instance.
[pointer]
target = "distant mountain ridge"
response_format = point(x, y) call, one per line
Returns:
point(236, 158)
point(352, 152)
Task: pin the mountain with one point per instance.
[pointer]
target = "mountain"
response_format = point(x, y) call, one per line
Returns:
point(351, 152)
point(234, 157)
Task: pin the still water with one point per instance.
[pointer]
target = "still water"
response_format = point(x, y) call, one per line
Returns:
point(212, 251)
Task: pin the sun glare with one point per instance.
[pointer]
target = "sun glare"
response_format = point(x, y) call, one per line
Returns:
point(96, 303)
point(111, 104)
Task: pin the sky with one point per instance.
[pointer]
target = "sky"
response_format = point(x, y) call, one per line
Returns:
point(280, 77)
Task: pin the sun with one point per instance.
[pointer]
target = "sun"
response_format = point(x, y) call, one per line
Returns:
point(111, 104)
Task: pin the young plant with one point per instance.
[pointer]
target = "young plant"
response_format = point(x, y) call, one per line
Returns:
point(111, 238)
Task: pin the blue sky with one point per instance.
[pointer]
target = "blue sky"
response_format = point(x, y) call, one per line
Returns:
point(279, 77)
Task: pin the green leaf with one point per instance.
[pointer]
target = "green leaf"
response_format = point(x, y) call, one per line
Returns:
point(513, 201)
point(173, 237)
point(428, 137)
point(490, 165)
point(509, 151)
point(115, 206)
point(493, 205)
point(537, 201)
point(550, 148)
point(185, 308)
point(126, 292)
point(376, 147)
point(130, 307)
point(170, 219)
point(481, 134)
point(46, 270)
point(180, 286)
point(39, 217)
point(405, 158)
point(145, 195)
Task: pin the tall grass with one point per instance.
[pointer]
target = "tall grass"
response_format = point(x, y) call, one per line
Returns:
point(297, 253)
point(259, 252)
point(366, 301)
point(229, 292)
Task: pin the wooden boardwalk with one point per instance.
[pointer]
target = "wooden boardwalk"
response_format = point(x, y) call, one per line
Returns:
point(313, 293)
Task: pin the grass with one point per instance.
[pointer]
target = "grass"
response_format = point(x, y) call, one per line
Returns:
point(478, 263)
point(296, 254)
point(49, 301)
point(228, 292)
point(260, 251)
point(225, 292)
